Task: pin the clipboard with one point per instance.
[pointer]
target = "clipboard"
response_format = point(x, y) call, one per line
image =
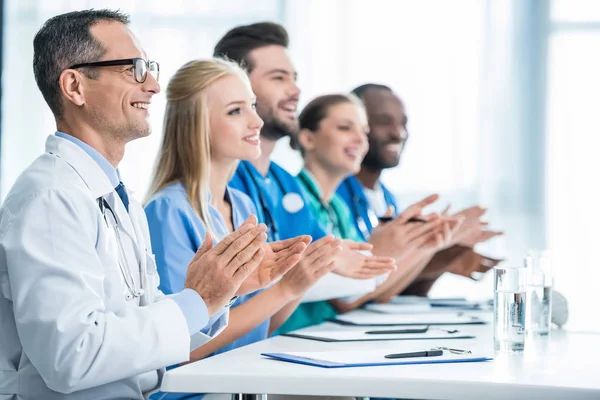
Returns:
point(441, 303)
point(365, 318)
point(345, 359)
point(363, 335)
point(458, 304)
point(390, 308)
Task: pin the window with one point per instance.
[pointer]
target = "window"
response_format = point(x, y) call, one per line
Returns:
point(459, 68)
point(572, 155)
point(172, 32)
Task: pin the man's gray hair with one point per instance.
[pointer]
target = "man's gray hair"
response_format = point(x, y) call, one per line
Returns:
point(63, 41)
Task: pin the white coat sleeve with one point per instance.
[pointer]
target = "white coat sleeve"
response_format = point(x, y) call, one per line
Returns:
point(56, 280)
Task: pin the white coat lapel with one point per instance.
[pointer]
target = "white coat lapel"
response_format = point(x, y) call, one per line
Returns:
point(89, 171)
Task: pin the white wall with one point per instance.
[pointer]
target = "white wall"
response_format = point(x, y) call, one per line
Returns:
point(495, 119)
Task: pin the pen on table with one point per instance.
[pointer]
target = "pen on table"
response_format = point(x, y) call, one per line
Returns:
point(427, 353)
point(447, 330)
point(396, 331)
point(413, 219)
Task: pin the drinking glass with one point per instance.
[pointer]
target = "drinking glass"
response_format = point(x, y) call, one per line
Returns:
point(510, 293)
point(539, 292)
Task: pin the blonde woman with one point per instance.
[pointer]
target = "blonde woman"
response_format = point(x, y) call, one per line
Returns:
point(210, 124)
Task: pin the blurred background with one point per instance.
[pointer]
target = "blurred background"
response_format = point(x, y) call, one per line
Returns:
point(502, 100)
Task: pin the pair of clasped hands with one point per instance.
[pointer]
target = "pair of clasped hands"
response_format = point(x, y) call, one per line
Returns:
point(412, 232)
point(244, 262)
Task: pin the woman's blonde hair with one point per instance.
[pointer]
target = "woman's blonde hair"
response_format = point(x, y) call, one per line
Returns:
point(184, 155)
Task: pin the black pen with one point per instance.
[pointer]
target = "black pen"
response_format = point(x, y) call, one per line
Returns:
point(428, 353)
point(395, 331)
point(413, 219)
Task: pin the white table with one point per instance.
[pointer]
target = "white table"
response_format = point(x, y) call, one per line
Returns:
point(567, 366)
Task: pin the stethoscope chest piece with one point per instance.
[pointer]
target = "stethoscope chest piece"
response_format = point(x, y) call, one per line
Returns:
point(130, 296)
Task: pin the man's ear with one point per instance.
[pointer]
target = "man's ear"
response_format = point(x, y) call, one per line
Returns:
point(72, 87)
point(306, 139)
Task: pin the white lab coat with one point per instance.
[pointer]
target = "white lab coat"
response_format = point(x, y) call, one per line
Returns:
point(66, 329)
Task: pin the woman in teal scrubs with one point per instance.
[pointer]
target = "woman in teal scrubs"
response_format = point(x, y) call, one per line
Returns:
point(333, 142)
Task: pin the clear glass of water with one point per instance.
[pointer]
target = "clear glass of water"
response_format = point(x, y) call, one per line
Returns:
point(510, 293)
point(539, 293)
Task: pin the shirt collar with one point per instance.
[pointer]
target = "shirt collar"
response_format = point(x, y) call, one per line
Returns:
point(378, 188)
point(227, 195)
point(357, 190)
point(111, 172)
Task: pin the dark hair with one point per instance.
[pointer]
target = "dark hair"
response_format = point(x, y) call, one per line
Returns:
point(362, 89)
point(311, 116)
point(65, 40)
point(241, 40)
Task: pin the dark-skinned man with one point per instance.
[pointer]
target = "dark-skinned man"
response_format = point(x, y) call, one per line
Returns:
point(371, 202)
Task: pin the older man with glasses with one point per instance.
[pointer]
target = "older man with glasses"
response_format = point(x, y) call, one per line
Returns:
point(81, 316)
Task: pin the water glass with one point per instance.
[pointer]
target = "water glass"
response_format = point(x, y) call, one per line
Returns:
point(539, 293)
point(510, 293)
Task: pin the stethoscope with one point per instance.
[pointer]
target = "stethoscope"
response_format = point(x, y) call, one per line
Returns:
point(360, 221)
point(272, 228)
point(332, 222)
point(132, 290)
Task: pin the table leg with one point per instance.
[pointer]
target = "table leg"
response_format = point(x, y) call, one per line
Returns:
point(244, 396)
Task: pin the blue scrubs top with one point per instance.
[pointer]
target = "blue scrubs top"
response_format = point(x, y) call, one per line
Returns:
point(176, 233)
point(280, 202)
point(353, 193)
point(282, 205)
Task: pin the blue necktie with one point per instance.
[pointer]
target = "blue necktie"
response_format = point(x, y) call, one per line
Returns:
point(122, 192)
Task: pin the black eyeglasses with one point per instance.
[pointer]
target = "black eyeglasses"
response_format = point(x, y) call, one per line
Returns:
point(141, 67)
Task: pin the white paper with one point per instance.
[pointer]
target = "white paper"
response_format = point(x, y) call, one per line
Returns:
point(409, 300)
point(360, 335)
point(334, 286)
point(369, 318)
point(400, 308)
